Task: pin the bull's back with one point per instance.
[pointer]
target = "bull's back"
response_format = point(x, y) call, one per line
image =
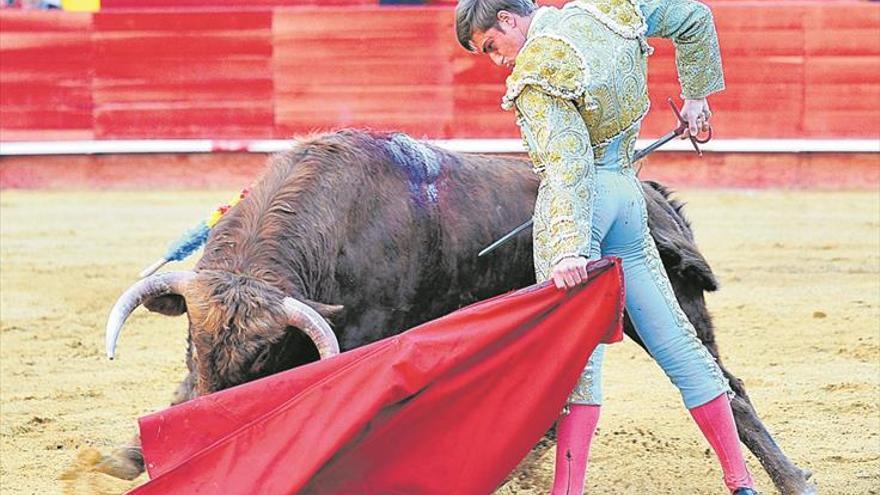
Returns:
point(485, 198)
point(456, 205)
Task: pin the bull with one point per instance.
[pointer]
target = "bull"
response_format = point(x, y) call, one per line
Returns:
point(352, 237)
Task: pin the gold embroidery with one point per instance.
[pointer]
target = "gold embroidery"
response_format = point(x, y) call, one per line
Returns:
point(550, 64)
point(621, 16)
point(690, 26)
point(559, 146)
point(565, 47)
point(579, 84)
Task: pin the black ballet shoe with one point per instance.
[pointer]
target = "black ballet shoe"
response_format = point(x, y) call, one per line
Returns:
point(745, 491)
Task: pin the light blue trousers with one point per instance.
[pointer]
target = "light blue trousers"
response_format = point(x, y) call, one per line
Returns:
point(620, 228)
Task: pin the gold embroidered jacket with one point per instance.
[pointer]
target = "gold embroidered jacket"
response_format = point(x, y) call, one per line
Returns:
point(579, 87)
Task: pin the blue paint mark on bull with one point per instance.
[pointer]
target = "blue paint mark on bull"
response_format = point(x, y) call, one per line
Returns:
point(431, 191)
point(422, 165)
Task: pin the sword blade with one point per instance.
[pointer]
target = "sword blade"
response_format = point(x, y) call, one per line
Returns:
point(669, 136)
point(508, 236)
point(638, 155)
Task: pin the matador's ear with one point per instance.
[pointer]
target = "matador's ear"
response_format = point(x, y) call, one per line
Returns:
point(505, 17)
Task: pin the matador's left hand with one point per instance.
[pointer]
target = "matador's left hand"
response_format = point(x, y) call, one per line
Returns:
point(569, 272)
point(697, 115)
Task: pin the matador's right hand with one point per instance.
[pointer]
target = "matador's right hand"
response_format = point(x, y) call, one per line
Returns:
point(569, 272)
point(697, 115)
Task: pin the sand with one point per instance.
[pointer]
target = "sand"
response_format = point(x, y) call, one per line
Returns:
point(798, 319)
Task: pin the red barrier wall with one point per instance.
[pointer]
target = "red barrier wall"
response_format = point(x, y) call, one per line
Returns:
point(796, 69)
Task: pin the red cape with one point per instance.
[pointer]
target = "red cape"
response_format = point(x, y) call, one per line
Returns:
point(450, 406)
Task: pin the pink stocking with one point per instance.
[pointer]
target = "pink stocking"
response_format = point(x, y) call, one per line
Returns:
point(715, 420)
point(574, 432)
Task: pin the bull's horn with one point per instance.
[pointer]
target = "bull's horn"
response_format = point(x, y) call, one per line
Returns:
point(148, 288)
point(314, 325)
point(328, 311)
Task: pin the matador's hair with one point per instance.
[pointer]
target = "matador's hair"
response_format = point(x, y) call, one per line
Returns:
point(480, 15)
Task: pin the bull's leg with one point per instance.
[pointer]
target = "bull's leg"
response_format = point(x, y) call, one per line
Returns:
point(127, 461)
point(787, 477)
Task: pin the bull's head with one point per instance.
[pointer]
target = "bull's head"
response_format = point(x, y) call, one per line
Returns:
point(234, 322)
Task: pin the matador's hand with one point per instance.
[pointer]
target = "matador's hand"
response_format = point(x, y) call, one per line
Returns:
point(569, 272)
point(697, 115)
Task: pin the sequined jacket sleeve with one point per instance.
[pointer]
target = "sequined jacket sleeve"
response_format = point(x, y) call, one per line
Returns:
point(559, 146)
point(690, 26)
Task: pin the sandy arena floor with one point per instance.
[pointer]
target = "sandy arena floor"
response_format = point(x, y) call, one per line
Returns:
point(798, 319)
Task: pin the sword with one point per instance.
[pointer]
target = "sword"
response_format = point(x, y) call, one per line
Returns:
point(638, 155)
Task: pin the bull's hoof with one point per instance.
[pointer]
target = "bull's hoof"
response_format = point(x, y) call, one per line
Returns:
point(800, 486)
point(83, 478)
point(120, 466)
point(802, 489)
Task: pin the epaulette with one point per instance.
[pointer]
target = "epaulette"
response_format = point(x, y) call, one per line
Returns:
point(550, 63)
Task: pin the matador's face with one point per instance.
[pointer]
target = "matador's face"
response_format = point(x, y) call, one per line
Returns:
point(503, 42)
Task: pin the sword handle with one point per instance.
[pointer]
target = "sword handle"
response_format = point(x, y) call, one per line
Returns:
point(683, 127)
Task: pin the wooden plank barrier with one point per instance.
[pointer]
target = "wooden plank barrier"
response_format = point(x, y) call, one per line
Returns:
point(795, 69)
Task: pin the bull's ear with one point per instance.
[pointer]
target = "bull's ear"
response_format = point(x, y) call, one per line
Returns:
point(329, 311)
point(170, 305)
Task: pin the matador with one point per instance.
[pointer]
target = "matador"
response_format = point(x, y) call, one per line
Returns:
point(578, 85)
